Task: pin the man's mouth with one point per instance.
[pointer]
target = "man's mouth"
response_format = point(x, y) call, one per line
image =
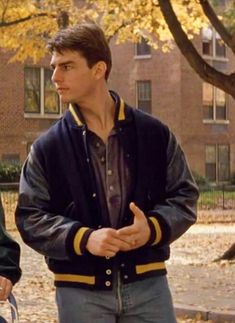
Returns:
point(61, 89)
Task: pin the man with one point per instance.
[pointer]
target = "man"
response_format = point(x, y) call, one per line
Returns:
point(103, 193)
point(9, 260)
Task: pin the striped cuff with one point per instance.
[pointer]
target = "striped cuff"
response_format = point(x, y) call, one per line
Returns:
point(156, 232)
point(80, 240)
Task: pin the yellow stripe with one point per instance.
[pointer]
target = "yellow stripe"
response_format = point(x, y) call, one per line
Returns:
point(75, 278)
point(74, 114)
point(77, 240)
point(140, 269)
point(158, 230)
point(121, 115)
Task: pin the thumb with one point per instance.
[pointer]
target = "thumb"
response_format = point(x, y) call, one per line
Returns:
point(134, 209)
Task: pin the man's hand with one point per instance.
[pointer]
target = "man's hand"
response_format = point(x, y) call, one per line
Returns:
point(138, 233)
point(106, 242)
point(5, 288)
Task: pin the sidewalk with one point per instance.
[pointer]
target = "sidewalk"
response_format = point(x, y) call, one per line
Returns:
point(201, 289)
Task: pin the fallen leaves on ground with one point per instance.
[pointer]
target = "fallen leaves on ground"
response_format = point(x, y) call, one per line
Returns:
point(194, 278)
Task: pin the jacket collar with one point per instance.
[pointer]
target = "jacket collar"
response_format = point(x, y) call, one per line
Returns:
point(120, 112)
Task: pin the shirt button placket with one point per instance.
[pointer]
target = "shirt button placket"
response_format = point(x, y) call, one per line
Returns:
point(109, 272)
point(108, 283)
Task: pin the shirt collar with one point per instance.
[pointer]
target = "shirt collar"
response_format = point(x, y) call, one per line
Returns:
point(120, 113)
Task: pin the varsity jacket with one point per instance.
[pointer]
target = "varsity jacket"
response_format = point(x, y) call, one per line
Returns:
point(58, 208)
point(9, 253)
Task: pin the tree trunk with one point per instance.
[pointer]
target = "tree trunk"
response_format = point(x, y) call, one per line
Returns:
point(201, 67)
point(217, 24)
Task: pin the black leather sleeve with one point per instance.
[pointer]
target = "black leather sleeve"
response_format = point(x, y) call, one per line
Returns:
point(50, 234)
point(9, 253)
point(179, 210)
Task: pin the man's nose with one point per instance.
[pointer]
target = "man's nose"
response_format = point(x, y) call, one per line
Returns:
point(56, 76)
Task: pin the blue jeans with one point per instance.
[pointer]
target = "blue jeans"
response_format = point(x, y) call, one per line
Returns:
point(147, 301)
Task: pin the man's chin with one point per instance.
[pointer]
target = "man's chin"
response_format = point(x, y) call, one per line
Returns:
point(64, 100)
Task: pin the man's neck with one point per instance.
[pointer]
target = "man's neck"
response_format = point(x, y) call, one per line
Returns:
point(99, 114)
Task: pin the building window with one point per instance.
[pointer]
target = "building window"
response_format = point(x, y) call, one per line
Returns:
point(217, 163)
point(40, 96)
point(32, 89)
point(215, 107)
point(214, 103)
point(51, 99)
point(142, 49)
point(212, 44)
point(143, 91)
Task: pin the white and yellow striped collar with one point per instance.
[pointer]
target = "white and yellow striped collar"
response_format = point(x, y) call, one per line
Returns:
point(75, 115)
point(80, 122)
point(121, 112)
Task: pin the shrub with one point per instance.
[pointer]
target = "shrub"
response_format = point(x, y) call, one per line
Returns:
point(202, 182)
point(10, 172)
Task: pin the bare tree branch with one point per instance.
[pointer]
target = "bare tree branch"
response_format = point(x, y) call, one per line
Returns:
point(5, 7)
point(201, 67)
point(217, 24)
point(62, 19)
point(123, 25)
point(18, 21)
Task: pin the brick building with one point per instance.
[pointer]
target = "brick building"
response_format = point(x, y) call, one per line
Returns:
point(201, 116)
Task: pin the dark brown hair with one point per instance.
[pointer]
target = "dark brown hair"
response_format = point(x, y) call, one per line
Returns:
point(86, 38)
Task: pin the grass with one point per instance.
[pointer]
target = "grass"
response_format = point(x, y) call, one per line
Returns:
point(216, 199)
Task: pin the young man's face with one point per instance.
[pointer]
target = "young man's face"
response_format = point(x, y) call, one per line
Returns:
point(73, 79)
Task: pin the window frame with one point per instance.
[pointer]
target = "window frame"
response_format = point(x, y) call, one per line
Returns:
point(137, 94)
point(214, 56)
point(217, 162)
point(142, 56)
point(41, 114)
point(213, 59)
point(214, 107)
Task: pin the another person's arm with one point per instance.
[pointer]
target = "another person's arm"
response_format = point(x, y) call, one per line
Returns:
point(9, 260)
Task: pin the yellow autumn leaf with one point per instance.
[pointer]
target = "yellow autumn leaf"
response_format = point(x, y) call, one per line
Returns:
point(126, 20)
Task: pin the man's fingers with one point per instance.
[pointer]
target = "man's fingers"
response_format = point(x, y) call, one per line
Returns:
point(123, 242)
point(5, 288)
point(8, 289)
point(125, 232)
point(110, 254)
point(137, 211)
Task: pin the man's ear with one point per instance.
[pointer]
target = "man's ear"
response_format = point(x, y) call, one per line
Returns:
point(100, 70)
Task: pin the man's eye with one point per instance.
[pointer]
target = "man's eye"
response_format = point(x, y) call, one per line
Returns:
point(67, 67)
